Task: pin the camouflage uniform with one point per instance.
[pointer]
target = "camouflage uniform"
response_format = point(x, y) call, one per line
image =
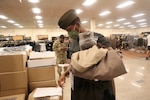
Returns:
point(60, 54)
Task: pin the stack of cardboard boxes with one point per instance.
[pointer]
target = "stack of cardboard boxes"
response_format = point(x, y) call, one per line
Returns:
point(41, 72)
point(21, 73)
point(41, 77)
point(13, 76)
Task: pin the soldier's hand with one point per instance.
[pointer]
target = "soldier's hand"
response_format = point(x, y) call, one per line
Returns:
point(64, 48)
point(61, 80)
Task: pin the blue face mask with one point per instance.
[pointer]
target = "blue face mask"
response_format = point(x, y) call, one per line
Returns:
point(73, 34)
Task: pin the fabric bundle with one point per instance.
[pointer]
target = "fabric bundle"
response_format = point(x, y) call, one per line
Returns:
point(95, 63)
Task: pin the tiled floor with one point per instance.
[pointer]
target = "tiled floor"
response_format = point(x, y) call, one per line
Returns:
point(135, 85)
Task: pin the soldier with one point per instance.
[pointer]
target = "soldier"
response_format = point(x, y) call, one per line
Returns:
point(82, 89)
point(60, 49)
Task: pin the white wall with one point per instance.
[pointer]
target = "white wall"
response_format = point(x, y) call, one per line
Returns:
point(57, 31)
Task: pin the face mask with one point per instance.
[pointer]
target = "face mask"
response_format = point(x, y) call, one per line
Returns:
point(73, 34)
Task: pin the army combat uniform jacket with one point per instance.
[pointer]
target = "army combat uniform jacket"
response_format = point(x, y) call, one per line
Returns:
point(60, 54)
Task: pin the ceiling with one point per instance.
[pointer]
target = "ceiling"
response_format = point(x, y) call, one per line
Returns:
point(51, 10)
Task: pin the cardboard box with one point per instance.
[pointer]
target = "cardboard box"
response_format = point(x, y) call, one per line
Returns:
point(44, 98)
point(13, 80)
point(12, 62)
point(14, 97)
point(18, 37)
point(13, 92)
point(34, 85)
point(30, 97)
point(40, 55)
point(41, 62)
point(41, 74)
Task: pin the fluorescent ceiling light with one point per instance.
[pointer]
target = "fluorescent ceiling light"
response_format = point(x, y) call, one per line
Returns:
point(20, 1)
point(10, 21)
point(125, 4)
point(142, 20)
point(83, 22)
point(88, 2)
point(38, 17)
point(36, 10)
point(39, 21)
point(3, 17)
point(126, 23)
point(100, 25)
point(34, 1)
point(104, 13)
point(109, 22)
point(138, 15)
point(142, 23)
point(40, 24)
point(121, 19)
point(3, 27)
point(130, 25)
point(17, 24)
point(20, 26)
point(78, 11)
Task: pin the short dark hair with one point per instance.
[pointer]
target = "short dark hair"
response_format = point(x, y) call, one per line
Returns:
point(62, 36)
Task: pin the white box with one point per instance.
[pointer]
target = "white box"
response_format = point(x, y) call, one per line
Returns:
point(47, 91)
point(31, 97)
point(39, 55)
point(41, 62)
